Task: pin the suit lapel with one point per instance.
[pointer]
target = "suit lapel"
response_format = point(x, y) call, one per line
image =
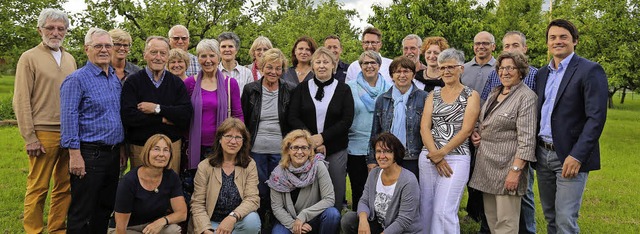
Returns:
point(568, 74)
point(541, 83)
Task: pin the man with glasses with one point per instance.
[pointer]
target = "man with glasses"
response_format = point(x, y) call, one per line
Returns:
point(179, 38)
point(92, 131)
point(371, 40)
point(154, 101)
point(477, 70)
point(36, 103)
point(332, 42)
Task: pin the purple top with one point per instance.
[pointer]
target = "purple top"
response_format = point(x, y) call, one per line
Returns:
point(210, 109)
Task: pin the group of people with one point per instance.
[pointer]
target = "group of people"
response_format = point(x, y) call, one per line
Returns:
point(217, 147)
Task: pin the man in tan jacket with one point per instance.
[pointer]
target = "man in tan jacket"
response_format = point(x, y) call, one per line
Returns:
point(36, 103)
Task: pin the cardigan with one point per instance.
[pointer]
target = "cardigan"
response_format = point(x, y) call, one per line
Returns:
point(207, 183)
point(403, 213)
point(175, 106)
point(312, 200)
point(302, 115)
point(508, 132)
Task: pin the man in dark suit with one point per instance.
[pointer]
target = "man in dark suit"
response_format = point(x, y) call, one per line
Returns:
point(572, 105)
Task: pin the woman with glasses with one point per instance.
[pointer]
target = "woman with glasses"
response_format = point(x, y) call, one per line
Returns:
point(259, 46)
point(301, 54)
point(324, 107)
point(302, 195)
point(121, 48)
point(449, 117)
point(390, 197)
point(430, 78)
point(398, 111)
point(365, 90)
point(506, 145)
point(226, 197)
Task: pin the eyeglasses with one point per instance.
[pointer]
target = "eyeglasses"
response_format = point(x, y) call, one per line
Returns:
point(230, 137)
point(364, 64)
point(482, 43)
point(370, 42)
point(180, 38)
point(52, 28)
point(119, 45)
point(384, 151)
point(403, 72)
point(448, 68)
point(100, 46)
point(507, 69)
point(295, 148)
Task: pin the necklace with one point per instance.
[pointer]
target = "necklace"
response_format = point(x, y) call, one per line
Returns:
point(299, 73)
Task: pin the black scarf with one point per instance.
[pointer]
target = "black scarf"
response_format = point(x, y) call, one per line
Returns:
point(321, 85)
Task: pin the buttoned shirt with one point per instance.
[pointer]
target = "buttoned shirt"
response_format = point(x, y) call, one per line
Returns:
point(240, 73)
point(550, 92)
point(494, 81)
point(153, 80)
point(194, 66)
point(475, 75)
point(90, 107)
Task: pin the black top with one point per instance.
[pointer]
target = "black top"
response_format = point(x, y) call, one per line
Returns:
point(228, 198)
point(429, 84)
point(146, 206)
point(175, 106)
point(341, 71)
point(291, 76)
point(302, 115)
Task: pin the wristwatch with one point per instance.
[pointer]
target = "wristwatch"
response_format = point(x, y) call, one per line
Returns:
point(516, 168)
point(233, 214)
point(157, 110)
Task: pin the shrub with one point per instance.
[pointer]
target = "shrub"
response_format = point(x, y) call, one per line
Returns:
point(6, 107)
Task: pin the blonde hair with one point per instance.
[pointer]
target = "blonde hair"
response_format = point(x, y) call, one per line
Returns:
point(180, 55)
point(272, 55)
point(260, 41)
point(324, 51)
point(119, 35)
point(151, 142)
point(290, 138)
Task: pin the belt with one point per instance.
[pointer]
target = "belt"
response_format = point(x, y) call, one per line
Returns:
point(545, 145)
point(99, 146)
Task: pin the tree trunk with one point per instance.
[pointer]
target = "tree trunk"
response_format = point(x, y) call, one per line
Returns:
point(610, 102)
point(624, 94)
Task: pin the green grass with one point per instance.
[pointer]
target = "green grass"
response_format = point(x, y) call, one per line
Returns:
point(6, 85)
point(609, 205)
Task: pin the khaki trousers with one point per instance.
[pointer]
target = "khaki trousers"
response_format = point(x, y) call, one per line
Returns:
point(54, 164)
point(503, 212)
point(174, 164)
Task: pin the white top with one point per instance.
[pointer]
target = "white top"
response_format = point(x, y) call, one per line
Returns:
point(355, 69)
point(57, 55)
point(240, 73)
point(384, 195)
point(322, 106)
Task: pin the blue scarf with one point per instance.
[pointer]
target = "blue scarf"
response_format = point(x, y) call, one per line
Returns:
point(399, 124)
point(369, 94)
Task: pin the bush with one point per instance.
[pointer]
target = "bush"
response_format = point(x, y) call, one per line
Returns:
point(6, 107)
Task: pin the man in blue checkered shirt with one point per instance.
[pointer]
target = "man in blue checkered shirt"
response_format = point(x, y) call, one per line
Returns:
point(179, 38)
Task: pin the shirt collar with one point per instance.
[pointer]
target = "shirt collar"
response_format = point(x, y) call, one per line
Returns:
point(563, 64)
point(150, 74)
point(222, 68)
point(95, 70)
point(491, 62)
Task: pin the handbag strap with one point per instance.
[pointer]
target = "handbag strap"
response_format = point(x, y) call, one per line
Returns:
point(228, 97)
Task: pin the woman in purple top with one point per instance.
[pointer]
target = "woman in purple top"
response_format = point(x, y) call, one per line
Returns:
point(212, 95)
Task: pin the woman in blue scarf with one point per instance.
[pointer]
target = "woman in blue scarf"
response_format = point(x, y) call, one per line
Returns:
point(366, 88)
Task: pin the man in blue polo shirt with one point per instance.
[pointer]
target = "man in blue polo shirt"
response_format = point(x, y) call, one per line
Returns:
point(92, 131)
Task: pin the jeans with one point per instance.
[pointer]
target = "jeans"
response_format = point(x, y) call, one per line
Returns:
point(250, 224)
point(93, 196)
point(560, 197)
point(327, 222)
point(528, 208)
point(350, 223)
point(265, 164)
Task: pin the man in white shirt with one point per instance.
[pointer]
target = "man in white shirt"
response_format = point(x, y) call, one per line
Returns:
point(371, 40)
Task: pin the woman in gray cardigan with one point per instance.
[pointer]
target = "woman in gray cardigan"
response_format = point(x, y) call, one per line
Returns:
point(302, 196)
point(391, 197)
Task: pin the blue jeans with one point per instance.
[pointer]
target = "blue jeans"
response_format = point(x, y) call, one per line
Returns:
point(326, 223)
point(250, 224)
point(560, 197)
point(528, 209)
point(265, 164)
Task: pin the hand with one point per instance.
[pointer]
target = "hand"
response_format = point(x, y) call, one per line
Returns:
point(207, 232)
point(317, 140)
point(475, 138)
point(166, 121)
point(363, 226)
point(155, 227)
point(35, 149)
point(297, 226)
point(123, 156)
point(147, 107)
point(321, 149)
point(436, 156)
point(76, 163)
point(511, 183)
point(226, 226)
point(444, 169)
point(306, 228)
point(371, 166)
point(570, 167)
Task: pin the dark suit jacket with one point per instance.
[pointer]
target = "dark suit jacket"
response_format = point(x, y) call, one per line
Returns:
point(579, 112)
point(302, 115)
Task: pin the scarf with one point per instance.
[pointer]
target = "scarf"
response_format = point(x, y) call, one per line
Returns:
point(254, 70)
point(321, 85)
point(369, 94)
point(195, 140)
point(399, 124)
point(287, 179)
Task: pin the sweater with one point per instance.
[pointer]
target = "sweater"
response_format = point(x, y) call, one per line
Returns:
point(36, 95)
point(174, 101)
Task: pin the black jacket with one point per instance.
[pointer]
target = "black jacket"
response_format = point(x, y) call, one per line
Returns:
point(252, 106)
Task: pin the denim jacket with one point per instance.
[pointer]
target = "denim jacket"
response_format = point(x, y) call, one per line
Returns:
point(383, 118)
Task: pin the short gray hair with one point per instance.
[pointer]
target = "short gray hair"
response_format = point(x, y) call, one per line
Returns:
point(414, 37)
point(491, 37)
point(518, 33)
point(161, 38)
point(371, 54)
point(52, 14)
point(450, 54)
point(230, 36)
point(208, 45)
point(178, 26)
point(88, 39)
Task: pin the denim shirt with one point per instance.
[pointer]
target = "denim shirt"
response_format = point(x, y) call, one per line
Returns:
point(383, 118)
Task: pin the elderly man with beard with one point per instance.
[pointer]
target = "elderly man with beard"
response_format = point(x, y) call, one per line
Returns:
point(36, 102)
point(411, 45)
point(154, 101)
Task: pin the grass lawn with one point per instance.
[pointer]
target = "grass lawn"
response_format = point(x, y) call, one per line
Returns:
point(609, 204)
